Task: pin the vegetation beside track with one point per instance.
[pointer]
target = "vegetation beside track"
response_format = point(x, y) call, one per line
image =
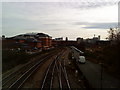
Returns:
point(10, 58)
point(108, 56)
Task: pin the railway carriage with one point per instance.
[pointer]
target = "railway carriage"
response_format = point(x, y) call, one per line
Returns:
point(76, 54)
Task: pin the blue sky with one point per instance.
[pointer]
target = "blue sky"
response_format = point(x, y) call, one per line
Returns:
point(72, 19)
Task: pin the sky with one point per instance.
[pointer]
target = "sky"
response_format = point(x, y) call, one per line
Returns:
point(60, 18)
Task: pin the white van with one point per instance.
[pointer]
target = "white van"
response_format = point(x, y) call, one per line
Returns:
point(82, 59)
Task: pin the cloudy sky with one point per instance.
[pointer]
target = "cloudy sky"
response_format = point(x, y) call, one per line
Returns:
point(71, 18)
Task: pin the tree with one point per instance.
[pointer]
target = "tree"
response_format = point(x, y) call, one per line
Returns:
point(111, 34)
point(114, 34)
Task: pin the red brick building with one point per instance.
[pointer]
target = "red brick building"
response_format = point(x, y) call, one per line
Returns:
point(45, 39)
point(35, 40)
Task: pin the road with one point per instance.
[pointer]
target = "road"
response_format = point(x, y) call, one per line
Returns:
point(96, 79)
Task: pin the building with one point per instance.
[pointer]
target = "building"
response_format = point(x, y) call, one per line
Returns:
point(33, 40)
point(33, 43)
point(45, 39)
point(9, 43)
point(63, 43)
point(79, 40)
point(59, 39)
point(92, 40)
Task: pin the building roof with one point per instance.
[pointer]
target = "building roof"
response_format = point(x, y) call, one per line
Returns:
point(42, 35)
point(34, 35)
point(19, 37)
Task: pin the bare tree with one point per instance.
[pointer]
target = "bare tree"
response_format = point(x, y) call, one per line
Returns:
point(114, 34)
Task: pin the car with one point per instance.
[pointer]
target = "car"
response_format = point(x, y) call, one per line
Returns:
point(73, 57)
point(82, 59)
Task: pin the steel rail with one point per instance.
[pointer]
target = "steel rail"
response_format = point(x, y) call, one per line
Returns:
point(63, 78)
point(48, 79)
point(10, 76)
point(19, 81)
point(58, 71)
point(51, 83)
point(66, 76)
point(64, 72)
point(46, 74)
point(28, 76)
point(61, 72)
point(59, 75)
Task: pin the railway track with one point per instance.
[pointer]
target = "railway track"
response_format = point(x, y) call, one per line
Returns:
point(13, 76)
point(16, 79)
point(47, 81)
point(56, 66)
point(63, 74)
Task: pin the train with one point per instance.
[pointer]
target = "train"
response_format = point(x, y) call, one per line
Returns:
point(78, 55)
